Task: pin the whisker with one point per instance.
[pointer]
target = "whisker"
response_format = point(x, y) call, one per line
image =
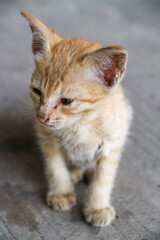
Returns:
point(28, 54)
point(28, 68)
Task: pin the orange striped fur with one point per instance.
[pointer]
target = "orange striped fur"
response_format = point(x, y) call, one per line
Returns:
point(88, 134)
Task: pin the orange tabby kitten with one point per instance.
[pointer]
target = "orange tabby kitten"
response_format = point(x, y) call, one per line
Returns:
point(82, 117)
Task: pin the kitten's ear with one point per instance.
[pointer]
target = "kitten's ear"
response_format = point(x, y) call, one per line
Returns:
point(107, 65)
point(43, 37)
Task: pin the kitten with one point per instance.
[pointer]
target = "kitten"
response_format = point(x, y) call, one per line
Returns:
point(82, 117)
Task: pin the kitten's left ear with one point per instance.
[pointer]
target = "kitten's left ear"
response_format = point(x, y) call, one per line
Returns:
point(44, 38)
point(107, 65)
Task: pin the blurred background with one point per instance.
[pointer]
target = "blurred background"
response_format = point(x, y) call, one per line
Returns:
point(136, 196)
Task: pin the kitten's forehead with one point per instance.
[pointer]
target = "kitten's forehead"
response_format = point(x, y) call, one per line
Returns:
point(66, 88)
point(63, 68)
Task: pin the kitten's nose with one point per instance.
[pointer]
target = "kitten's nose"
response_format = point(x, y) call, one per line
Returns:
point(43, 118)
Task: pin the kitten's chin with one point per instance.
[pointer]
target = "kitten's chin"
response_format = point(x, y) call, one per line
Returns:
point(53, 126)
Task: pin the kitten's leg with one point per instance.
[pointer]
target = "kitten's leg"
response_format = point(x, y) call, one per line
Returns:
point(98, 211)
point(61, 192)
point(76, 174)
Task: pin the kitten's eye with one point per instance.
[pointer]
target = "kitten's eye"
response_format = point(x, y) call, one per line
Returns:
point(37, 91)
point(66, 101)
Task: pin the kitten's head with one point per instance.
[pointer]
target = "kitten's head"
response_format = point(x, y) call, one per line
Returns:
point(71, 76)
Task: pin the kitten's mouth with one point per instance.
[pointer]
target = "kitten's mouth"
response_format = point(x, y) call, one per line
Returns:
point(53, 125)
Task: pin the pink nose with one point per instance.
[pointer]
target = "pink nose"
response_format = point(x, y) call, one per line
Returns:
point(43, 118)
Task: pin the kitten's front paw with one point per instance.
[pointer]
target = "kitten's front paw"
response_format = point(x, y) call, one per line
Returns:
point(61, 202)
point(99, 217)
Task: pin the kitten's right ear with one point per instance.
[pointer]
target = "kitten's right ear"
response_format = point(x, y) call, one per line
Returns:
point(44, 38)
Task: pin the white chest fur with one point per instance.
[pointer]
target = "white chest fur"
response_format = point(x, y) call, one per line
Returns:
point(80, 146)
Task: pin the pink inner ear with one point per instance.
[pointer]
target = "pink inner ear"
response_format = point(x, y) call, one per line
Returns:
point(109, 74)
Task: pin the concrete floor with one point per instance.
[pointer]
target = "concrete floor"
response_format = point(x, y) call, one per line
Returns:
point(136, 195)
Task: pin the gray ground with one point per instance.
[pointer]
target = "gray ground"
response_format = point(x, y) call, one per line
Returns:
point(136, 195)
